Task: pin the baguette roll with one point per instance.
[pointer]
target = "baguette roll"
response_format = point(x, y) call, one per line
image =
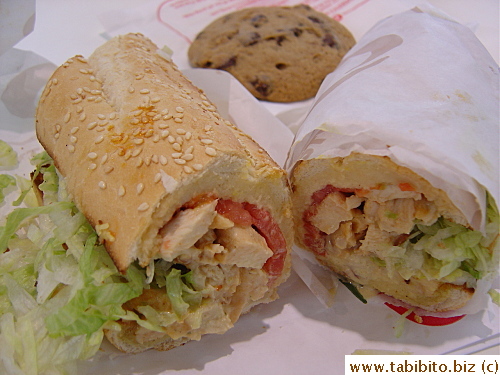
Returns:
point(357, 215)
point(166, 182)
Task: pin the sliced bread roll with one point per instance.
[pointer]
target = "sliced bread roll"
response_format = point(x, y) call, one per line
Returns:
point(378, 224)
point(167, 184)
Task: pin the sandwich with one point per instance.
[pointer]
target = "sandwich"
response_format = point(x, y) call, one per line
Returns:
point(394, 170)
point(382, 226)
point(178, 196)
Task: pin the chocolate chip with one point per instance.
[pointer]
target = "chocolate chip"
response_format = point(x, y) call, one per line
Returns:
point(206, 64)
point(297, 32)
point(279, 39)
point(329, 40)
point(261, 87)
point(228, 63)
point(258, 20)
point(250, 39)
point(315, 19)
point(281, 66)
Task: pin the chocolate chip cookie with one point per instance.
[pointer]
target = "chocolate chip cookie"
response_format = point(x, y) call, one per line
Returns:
point(280, 54)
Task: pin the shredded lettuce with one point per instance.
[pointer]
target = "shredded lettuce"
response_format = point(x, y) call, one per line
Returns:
point(181, 293)
point(400, 323)
point(59, 289)
point(454, 247)
point(58, 286)
point(17, 217)
point(8, 157)
point(27, 195)
point(354, 290)
point(495, 296)
point(91, 307)
point(448, 251)
point(5, 181)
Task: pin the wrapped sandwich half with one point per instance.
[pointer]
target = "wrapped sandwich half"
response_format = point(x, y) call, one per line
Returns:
point(395, 169)
point(171, 189)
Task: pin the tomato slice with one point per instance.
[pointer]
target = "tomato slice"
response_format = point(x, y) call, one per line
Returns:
point(246, 214)
point(270, 230)
point(234, 211)
point(426, 320)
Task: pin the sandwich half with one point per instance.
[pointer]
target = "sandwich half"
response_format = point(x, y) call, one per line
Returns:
point(170, 187)
point(394, 169)
point(381, 225)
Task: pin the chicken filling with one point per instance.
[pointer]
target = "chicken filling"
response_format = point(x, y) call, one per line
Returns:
point(399, 229)
point(216, 259)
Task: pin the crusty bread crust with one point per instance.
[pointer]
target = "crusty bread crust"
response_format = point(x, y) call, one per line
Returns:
point(124, 340)
point(360, 171)
point(135, 141)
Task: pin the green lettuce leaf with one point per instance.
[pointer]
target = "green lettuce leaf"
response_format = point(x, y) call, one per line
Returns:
point(181, 292)
point(449, 251)
point(59, 289)
point(93, 305)
point(58, 286)
point(5, 181)
point(8, 157)
point(16, 217)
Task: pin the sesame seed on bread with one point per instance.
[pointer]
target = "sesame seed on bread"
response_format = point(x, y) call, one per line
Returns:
point(135, 140)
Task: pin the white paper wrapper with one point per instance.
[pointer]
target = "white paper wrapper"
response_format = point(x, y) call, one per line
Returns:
point(415, 104)
point(177, 22)
point(423, 91)
point(22, 73)
point(17, 19)
point(235, 103)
